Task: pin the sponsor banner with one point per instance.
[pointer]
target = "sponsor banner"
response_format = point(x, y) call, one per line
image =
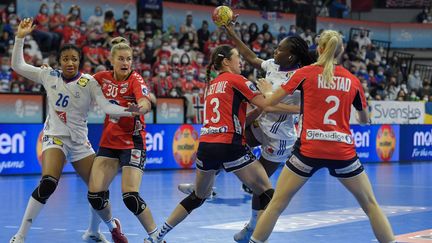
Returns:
point(397, 112)
point(417, 143)
point(376, 143)
point(168, 147)
point(17, 108)
point(170, 111)
point(428, 113)
point(27, 8)
point(21, 149)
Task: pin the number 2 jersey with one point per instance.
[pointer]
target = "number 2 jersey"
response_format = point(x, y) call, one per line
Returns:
point(225, 109)
point(123, 132)
point(325, 112)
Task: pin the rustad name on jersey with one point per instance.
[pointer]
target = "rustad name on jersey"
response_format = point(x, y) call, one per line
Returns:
point(339, 83)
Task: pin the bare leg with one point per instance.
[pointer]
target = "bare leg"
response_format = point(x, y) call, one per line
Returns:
point(287, 186)
point(361, 188)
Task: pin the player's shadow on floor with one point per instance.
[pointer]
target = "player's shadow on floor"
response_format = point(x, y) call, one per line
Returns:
point(231, 201)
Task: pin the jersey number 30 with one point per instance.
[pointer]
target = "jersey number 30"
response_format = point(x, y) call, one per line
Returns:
point(215, 104)
point(332, 110)
point(63, 100)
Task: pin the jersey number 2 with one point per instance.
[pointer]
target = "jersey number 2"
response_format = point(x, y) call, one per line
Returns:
point(215, 103)
point(332, 110)
point(63, 100)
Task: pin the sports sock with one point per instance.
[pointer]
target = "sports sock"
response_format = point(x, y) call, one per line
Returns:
point(32, 211)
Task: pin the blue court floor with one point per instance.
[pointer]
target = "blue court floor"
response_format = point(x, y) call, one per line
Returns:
point(323, 211)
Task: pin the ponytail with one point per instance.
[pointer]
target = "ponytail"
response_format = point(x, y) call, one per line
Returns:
point(330, 44)
point(208, 72)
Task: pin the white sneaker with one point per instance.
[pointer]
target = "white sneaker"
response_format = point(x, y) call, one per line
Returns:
point(188, 188)
point(17, 239)
point(244, 235)
point(94, 237)
point(152, 240)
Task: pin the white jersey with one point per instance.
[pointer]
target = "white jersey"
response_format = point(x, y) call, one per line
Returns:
point(277, 125)
point(68, 101)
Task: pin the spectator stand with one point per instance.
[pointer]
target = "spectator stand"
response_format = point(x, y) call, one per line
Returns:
point(384, 44)
point(425, 71)
point(404, 57)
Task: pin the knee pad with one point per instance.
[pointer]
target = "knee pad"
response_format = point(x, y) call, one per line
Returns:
point(98, 200)
point(192, 202)
point(134, 202)
point(256, 202)
point(265, 198)
point(47, 186)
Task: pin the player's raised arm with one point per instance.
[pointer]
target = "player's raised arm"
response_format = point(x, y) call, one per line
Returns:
point(18, 63)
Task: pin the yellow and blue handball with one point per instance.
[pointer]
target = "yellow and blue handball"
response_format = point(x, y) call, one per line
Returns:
point(222, 15)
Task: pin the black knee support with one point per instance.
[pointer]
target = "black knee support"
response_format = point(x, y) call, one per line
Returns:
point(98, 200)
point(47, 186)
point(192, 202)
point(134, 202)
point(265, 198)
point(256, 202)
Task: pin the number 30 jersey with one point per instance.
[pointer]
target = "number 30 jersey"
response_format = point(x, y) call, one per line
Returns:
point(325, 112)
point(225, 109)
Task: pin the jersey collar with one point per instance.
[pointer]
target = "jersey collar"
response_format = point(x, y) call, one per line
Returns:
point(289, 68)
point(71, 79)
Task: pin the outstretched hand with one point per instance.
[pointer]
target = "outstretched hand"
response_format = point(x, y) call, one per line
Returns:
point(264, 86)
point(230, 26)
point(25, 27)
point(134, 109)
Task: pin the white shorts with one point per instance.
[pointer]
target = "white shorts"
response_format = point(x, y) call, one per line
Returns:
point(73, 151)
point(272, 149)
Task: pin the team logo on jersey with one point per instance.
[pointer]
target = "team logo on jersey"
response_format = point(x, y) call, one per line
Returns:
point(83, 81)
point(270, 150)
point(144, 90)
point(62, 116)
point(57, 141)
point(385, 142)
point(252, 86)
point(123, 90)
point(185, 145)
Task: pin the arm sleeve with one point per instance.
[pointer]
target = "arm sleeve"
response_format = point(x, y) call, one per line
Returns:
point(265, 64)
point(292, 83)
point(247, 88)
point(21, 67)
point(106, 106)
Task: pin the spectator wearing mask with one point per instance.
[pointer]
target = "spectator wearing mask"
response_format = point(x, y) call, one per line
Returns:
point(282, 33)
point(265, 30)
point(253, 31)
point(211, 44)
point(257, 45)
point(203, 35)
point(363, 40)
point(174, 47)
point(71, 32)
point(415, 82)
point(149, 52)
point(48, 41)
point(57, 20)
point(185, 64)
point(5, 75)
point(423, 15)
point(177, 82)
point(292, 31)
point(123, 23)
point(97, 19)
point(10, 9)
point(160, 84)
point(148, 25)
point(307, 36)
point(75, 12)
point(175, 66)
point(163, 61)
point(392, 89)
point(187, 49)
point(380, 77)
point(321, 9)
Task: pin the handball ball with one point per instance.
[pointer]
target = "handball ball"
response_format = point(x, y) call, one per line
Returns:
point(222, 15)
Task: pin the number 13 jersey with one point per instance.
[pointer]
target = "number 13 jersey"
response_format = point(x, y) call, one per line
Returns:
point(225, 109)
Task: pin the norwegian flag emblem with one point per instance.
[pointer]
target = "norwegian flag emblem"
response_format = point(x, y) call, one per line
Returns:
point(198, 105)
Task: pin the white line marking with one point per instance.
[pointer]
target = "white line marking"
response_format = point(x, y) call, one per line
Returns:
point(11, 227)
point(56, 229)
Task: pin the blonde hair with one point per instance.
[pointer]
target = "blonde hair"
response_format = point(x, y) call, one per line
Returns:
point(119, 43)
point(330, 43)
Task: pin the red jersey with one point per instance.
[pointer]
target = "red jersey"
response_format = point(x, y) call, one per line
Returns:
point(325, 112)
point(225, 109)
point(123, 132)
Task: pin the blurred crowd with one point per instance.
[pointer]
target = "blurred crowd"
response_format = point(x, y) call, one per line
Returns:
point(425, 16)
point(173, 61)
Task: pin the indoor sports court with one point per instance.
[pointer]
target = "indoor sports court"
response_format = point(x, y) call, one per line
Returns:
point(156, 68)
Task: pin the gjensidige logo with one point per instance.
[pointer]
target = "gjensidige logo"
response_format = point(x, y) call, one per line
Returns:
point(185, 145)
point(385, 142)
